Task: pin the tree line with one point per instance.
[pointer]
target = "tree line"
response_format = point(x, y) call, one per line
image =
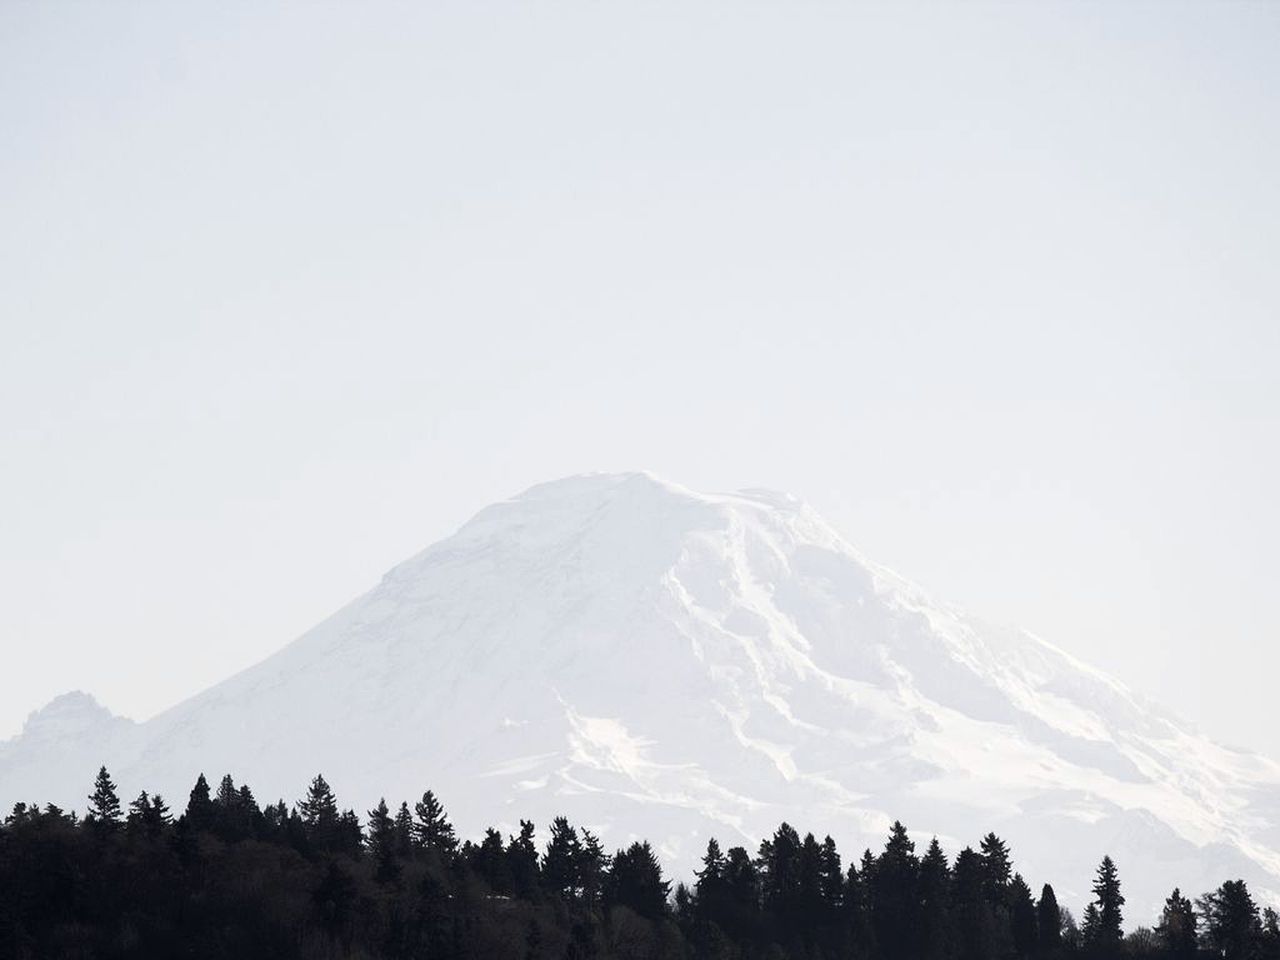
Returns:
point(227, 877)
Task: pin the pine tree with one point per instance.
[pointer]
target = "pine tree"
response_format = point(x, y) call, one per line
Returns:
point(741, 893)
point(856, 910)
point(403, 831)
point(522, 861)
point(433, 831)
point(319, 812)
point(139, 814)
point(1176, 931)
point(712, 871)
point(810, 910)
point(997, 869)
point(489, 860)
point(227, 796)
point(1232, 927)
point(593, 865)
point(895, 897)
point(199, 814)
point(561, 861)
point(350, 837)
point(160, 816)
point(1022, 917)
point(382, 843)
point(635, 881)
point(831, 875)
point(779, 865)
point(104, 803)
point(1269, 938)
point(1106, 935)
point(1049, 922)
point(1091, 930)
point(935, 902)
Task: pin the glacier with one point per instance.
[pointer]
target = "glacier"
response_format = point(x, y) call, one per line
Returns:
point(651, 661)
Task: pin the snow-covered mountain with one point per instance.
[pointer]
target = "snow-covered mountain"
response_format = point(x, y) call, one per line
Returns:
point(653, 661)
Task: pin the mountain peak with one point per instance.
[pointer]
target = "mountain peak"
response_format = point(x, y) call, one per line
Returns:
point(72, 714)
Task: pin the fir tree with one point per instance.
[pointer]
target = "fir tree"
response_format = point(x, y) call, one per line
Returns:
point(139, 813)
point(1091, 930)
point(809, 911)
point(1176, 931)
point(319, 812)
point(489, 860)
point(1106, 934)
point(895, 896)
point(350, 837)
point(831, 875)
point(382, 843)
point(227, 797)
point(593, 864)
point(997, 869)
point(1048, 922)
point(403, 831)
point(1269, 937)
point(635, 881)
point(433, 831)
point(199, 814)
point(741, 893)
point(561, 861)
point(1022, 917)
point(1231, 924)
point(104, 803)
point(522, 861)
point(935, 902)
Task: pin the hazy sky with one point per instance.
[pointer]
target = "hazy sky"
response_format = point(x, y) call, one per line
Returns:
point(288, 294)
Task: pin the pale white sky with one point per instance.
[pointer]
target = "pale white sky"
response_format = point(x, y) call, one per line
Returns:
point(287, 295)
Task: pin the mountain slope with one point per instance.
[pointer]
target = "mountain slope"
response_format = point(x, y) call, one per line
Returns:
point(644, 658)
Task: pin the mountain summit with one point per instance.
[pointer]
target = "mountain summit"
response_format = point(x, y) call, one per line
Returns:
point(642, 657)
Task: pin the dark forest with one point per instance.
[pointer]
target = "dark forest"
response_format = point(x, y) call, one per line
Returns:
point(225, 877)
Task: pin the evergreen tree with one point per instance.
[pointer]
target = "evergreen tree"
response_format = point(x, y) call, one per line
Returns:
point(935, 903)
point(1232, 927)
point(382, 843)
point(1176, 931)
point(997, 869)
point(1091, 930)
point(489, 861)
point(593, 864)
point(976, 936)
point(1048, 922)
point(561, 861)
point(1106, 934)
point(522, 861)
point(227, 796)
point(830, 875)
point(810, 908)
point(403, 831)
point(199, 814)
point(1022, 917)
point(433, 831)
point(139, 813)
point(635, 881)
point(319, 812)
point(857, 911)
point(350, 837)
point(741, 894)
point(779, 866)
point(895, 896)
point(104, 803)
point(1269, 937)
